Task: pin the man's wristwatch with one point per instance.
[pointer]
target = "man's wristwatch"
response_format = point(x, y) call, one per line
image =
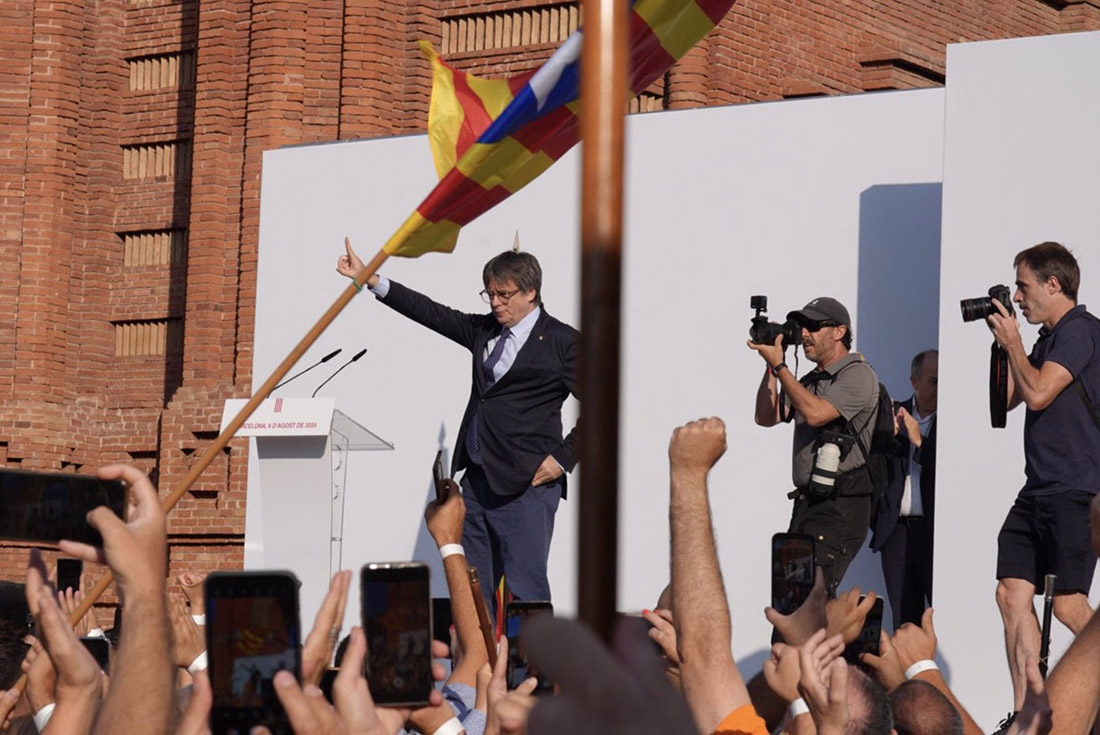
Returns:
point(775, 370)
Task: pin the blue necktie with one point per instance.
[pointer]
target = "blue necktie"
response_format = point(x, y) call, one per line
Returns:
point(473, 442)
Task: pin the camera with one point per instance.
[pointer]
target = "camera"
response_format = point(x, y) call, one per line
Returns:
point(981, 307)
point(834, 447)
point(763, 332)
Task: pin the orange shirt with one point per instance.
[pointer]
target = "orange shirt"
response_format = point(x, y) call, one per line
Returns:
point(742, 721)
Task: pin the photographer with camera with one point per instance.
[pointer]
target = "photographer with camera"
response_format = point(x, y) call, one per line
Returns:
point(834, 409)
point(1047, 529)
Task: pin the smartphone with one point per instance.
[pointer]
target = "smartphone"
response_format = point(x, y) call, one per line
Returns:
point(440, 476)
point(13, 607)
point(869, 637)
point(100, 650)
point(397, 620)
point(68, 574)
point(252, 632)
point(516, 615)
point(50, 506)
point(442, 619)
point(792, 570)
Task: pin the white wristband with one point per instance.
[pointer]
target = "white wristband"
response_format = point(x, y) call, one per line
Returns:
point(919, 666)
point(450, 550)
point(199, 664)
point(199, 619)
point(96, 633)
point(42, 716)
point(798, 707)
point(454, 725)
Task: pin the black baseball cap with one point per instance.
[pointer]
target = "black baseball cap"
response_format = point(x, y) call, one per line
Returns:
point(822, 309)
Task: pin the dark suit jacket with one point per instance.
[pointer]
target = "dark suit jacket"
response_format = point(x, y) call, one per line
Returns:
point(519, 421)
point(890, 504)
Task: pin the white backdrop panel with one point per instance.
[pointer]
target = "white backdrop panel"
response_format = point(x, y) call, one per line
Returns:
point(792, 199)
point(1021, 165)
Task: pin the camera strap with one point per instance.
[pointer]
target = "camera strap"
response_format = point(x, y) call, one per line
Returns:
point(998, 386)
point(1088, 402)
point(859, 438)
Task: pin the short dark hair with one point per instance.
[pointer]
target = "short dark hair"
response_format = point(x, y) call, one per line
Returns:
point(1052, 259)
point(521, 268)
point(876, 719)
point(12, 651)
point(918, 361)
point(846, 340)
point(921, 709)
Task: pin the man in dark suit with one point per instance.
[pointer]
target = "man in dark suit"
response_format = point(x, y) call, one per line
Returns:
point(510, 443)
point(904, 525)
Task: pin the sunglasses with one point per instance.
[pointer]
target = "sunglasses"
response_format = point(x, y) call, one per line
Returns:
point(815, 326)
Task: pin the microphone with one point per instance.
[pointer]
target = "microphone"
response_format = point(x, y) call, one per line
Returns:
point(358, 354)
point(324, 359)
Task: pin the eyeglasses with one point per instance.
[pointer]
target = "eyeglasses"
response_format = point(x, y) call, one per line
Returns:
point(818, 326)
point(487, 296)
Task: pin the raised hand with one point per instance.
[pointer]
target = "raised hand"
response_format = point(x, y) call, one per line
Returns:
point(886, 665)
point(135, 548)
point(809, 618)
point(846, 614)
point(445, 517)
point(192, 585)
point(349, 263)
point(187, 638)
point(321, 642)
point(824, 682)
point(783, 671)
point(914, 643)
point(696, 447)
point(62, 665)
point(663, 631)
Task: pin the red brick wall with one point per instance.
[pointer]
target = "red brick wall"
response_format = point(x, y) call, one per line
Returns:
point(269, 73)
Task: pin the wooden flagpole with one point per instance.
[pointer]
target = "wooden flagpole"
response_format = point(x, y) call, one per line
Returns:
point(604, 96)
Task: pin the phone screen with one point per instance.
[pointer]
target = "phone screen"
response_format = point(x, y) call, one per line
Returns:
point(792, 570)
point(519, 668)
point(440, 475)
point(68, 574)
point(13, 606)
point(100, 650)
point(869, 637)
point(252, 632)
point(397, 620)
point(50, 506)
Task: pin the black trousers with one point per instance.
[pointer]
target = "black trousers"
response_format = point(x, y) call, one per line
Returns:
point(907, 569)
point(838, 525)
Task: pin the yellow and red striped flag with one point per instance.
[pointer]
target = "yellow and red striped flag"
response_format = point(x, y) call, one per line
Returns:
point(490, 138)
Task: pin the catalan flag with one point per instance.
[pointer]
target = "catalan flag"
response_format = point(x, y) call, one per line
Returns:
point(490, 138)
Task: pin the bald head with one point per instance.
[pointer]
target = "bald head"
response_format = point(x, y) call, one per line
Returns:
point(868, 705)
point(921, 709)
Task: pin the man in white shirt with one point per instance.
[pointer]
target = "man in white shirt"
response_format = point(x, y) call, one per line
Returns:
point(904, 524)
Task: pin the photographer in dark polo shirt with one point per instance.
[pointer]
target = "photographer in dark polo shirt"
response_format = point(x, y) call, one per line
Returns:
point(1047, 529)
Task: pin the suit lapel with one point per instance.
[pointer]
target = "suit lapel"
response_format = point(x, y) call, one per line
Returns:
point(532, 347)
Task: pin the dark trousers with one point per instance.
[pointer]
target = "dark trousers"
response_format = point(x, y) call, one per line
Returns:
point(838, 525)
point(907, 569)
point(509, 535)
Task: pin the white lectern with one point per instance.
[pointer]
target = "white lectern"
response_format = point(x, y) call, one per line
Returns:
point(301, 445)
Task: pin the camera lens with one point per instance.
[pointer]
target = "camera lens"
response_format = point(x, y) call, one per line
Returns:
point(975, 309)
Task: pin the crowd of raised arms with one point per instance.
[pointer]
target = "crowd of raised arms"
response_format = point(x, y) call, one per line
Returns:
point(688, 683)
